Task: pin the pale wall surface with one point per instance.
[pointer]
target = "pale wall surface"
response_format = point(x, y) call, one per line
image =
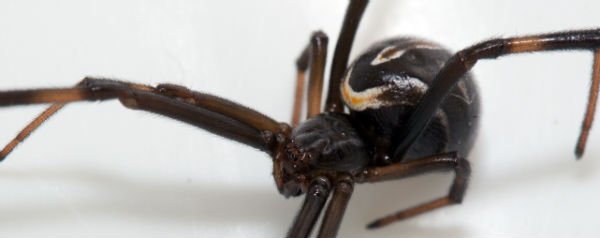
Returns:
point(98, 170)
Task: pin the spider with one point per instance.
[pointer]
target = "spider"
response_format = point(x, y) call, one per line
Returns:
point(383, 52)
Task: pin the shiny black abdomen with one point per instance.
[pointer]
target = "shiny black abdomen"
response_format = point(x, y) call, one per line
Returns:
point(383, 86)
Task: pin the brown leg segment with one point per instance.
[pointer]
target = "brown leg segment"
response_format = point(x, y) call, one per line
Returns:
point(301, 68)
point(464, 60)
point(336, 209)
point(32, 126)
point(315, 56)
point(314, 201)
point(317, 70)
point(442, 162)
point(591, 107)
point(352, 19)
point(209, 112)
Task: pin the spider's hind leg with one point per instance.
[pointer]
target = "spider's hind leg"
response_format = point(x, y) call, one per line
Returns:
point(461, 62)
point(591, 107)
point(313, 57)
point(440, 162)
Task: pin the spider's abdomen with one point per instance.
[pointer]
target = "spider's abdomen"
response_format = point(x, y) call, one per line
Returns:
point(383, 86)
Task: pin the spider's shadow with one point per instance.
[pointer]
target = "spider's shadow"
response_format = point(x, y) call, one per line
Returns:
point(221, 205)
point(166, 201)
point(125, 199)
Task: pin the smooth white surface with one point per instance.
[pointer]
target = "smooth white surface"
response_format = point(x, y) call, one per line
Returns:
point(99, 170)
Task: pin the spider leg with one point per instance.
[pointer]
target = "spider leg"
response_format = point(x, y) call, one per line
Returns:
point(353, 16)
point(314, 200)
point(591, 107)
point(461, 62)
point(441, 162)
point(337, 206)
point(32, 126)
point(217, 115)
point(314, 55)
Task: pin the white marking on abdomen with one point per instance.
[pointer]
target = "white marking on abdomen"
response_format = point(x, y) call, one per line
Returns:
point(368, 98)
point(382, 58)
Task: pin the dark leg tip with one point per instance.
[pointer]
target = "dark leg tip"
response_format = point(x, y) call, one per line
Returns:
point(3, 155)
point(374, 225)
point(578, 153)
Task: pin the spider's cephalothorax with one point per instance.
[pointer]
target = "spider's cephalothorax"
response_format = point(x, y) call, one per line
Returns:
point(383, 86)
point(324, 145)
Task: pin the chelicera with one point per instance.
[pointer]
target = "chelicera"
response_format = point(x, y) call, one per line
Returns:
point(413, 108)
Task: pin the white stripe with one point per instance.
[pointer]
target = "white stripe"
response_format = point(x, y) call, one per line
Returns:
point(379, 59)
point(369, 97)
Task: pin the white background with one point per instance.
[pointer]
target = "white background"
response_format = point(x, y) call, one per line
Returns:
point(100, 170)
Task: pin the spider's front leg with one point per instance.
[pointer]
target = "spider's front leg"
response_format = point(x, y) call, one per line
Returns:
point(315, 199)
point(217, 115)
point(342, 191)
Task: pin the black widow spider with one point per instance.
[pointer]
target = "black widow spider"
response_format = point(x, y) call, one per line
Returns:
point(382, 53)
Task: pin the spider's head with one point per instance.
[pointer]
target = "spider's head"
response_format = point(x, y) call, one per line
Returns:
point(323, 145)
